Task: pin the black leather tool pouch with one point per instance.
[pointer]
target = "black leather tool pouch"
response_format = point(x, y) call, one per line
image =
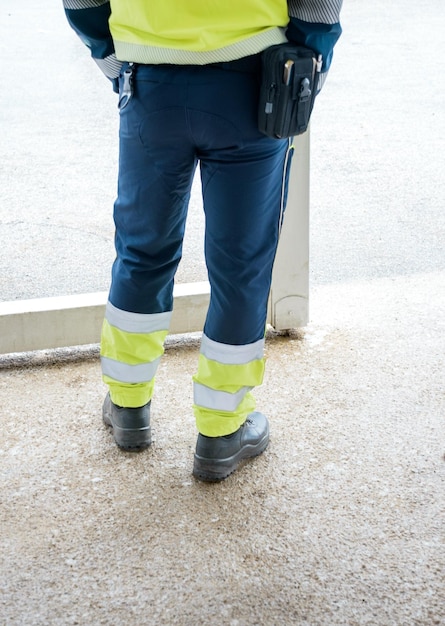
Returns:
point(289, 80)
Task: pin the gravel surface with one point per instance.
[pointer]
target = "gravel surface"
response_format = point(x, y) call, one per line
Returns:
point(341, 521)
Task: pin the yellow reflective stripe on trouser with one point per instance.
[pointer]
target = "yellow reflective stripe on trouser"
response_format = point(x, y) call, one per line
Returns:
point(131, 347)
point(226, 374)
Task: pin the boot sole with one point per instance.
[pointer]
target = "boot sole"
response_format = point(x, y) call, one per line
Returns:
point(216, 470)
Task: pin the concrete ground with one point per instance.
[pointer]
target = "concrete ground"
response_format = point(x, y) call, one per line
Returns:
point(341, 521)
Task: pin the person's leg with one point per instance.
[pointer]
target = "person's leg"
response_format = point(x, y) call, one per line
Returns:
point(243, 209)
point(243, 212)
point(244, 177)
point(156, 167)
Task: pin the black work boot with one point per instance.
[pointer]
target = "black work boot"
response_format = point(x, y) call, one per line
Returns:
point(131, 427)
point(218, 457)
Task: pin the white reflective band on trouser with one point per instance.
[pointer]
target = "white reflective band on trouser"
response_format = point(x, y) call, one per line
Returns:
point(141, 373)
point(218, 400)
point(137, 322)
point(231, 355)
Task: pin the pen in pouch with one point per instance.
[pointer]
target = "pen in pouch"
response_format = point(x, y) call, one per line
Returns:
point(287, 74)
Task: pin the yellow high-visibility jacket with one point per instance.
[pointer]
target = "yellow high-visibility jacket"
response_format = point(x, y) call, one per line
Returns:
point(195, 32)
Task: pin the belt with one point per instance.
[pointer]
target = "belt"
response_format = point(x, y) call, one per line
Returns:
point(251, 63)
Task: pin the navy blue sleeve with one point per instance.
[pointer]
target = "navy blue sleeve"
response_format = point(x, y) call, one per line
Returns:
point(321, 38)
point(89, 19)
point(92, 27)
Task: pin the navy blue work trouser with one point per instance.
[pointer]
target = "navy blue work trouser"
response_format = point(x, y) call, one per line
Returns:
point(180, 116)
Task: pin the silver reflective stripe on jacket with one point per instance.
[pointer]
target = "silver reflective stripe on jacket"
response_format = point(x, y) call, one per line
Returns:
point(110, 66)
point(321, 11)
point(83, 4)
